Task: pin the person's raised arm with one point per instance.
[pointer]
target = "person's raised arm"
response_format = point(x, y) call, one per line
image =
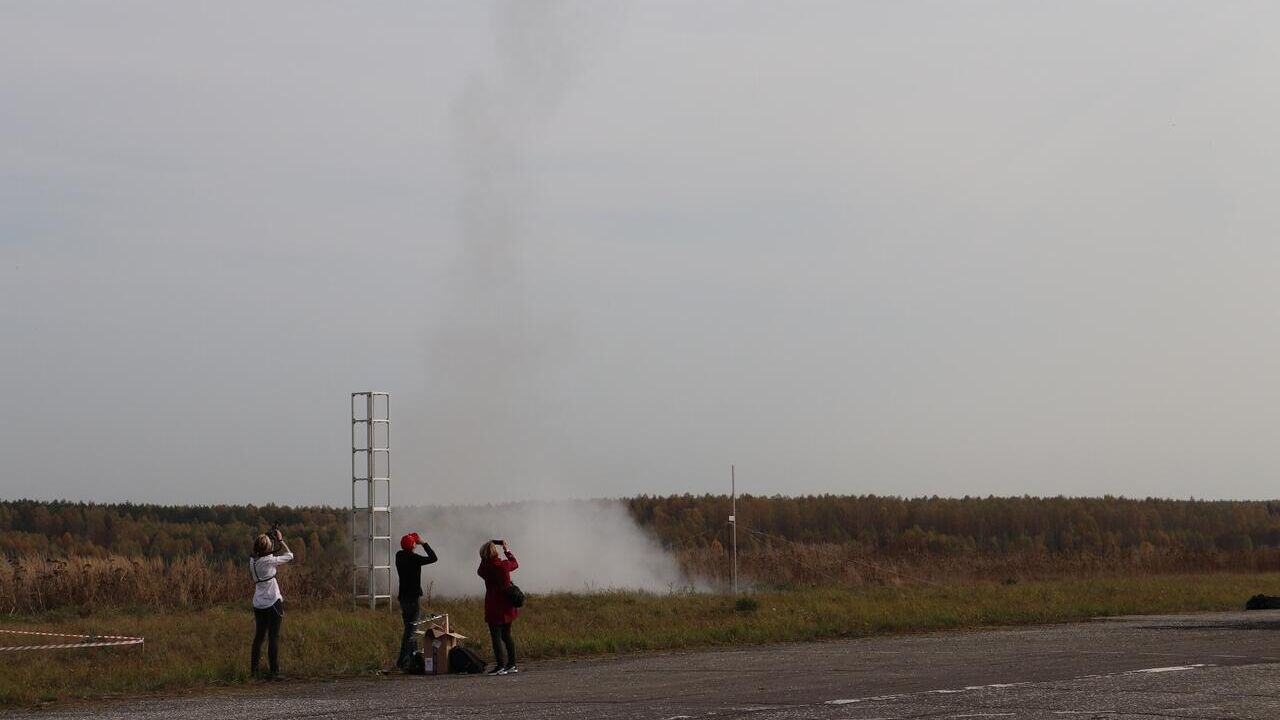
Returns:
point(430, 556)
point(282, 554)
point(510, 563)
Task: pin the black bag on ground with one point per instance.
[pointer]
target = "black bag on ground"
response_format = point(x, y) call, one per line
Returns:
point(1263, 602)
point(465, 660)
point(515, 595)
point(417, 663)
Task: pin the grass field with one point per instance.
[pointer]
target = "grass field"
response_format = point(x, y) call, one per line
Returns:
point(209, 648)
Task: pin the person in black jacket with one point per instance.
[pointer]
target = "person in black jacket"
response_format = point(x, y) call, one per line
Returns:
point(409, 570)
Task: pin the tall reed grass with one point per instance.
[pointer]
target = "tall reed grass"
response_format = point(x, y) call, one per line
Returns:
point(784, 565)
point(33, 585)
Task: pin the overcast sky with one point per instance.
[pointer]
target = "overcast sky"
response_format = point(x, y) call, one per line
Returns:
point(602, 249)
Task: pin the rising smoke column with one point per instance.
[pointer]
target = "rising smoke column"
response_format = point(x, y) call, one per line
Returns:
point(493, 355)
point(493, 358)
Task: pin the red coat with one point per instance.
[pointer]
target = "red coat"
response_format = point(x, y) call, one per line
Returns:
point(498, 610)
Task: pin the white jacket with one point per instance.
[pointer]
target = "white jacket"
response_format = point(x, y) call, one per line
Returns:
point(266, 590)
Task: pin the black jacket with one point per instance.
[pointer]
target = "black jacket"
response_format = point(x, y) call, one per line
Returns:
point(409, 570)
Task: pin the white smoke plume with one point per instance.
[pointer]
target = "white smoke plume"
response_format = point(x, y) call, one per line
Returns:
point(495, 352)
point(574, 546)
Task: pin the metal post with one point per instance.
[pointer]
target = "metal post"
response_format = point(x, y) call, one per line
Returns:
point(373, 590)
point(732, 522)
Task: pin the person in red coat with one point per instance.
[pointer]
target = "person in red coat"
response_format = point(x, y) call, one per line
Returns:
point(499, 613)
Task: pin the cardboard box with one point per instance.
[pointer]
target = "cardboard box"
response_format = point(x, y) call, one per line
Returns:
point(437, 641)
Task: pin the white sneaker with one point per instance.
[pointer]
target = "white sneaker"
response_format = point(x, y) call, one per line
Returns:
point(512, 669)
point(497, 671)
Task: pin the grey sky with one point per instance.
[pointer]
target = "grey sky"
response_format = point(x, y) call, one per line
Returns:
point(597, 250)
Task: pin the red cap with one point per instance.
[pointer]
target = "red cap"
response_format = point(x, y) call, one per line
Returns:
point(408, 541)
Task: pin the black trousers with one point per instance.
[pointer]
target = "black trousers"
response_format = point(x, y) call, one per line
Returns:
point(501, 636)
point(409, 611)
point(267, 625)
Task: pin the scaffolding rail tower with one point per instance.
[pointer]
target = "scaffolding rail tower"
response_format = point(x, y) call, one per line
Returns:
point(371, 497)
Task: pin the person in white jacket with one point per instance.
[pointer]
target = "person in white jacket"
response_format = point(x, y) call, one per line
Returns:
point(269, 553)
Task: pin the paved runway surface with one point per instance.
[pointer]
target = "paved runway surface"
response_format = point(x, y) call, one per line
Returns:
point(1198, 666)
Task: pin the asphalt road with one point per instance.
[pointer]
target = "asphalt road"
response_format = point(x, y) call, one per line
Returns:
point(1197, 666)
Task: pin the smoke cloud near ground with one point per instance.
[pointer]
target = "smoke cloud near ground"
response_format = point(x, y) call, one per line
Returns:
point(572, 546)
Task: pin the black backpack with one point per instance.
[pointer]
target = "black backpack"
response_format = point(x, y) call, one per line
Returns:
point(515, 595)
point(1262, 602)
point(465, 660)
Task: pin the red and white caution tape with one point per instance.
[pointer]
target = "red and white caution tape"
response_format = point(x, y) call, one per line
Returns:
point(86, 641)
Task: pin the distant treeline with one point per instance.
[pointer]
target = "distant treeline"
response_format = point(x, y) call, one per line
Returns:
point(218, 532)
point(885, 527)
